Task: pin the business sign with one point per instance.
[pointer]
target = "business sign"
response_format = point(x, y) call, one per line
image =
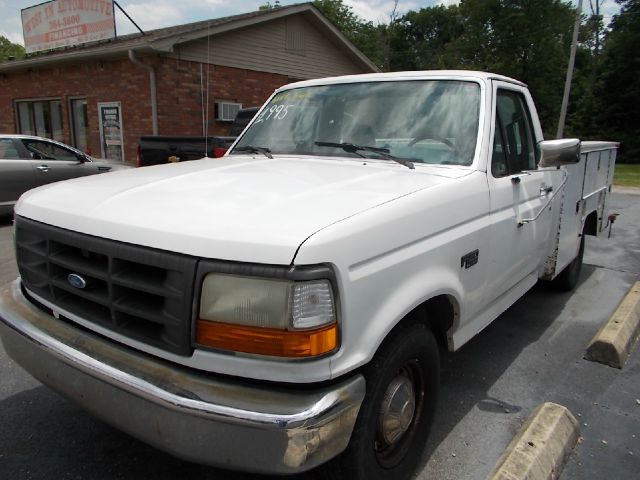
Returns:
point(110, 118)
point(64, 23)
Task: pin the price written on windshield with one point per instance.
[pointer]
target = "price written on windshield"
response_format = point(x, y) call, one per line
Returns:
point(275, 112)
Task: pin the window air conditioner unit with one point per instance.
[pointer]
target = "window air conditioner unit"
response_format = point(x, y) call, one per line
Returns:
point(227, 111)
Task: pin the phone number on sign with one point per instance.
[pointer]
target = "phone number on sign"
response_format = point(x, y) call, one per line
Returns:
point(64, 22)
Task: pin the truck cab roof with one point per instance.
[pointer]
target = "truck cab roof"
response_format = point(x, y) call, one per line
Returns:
point(409, 75)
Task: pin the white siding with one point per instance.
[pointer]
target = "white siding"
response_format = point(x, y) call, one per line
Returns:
point(262, 47)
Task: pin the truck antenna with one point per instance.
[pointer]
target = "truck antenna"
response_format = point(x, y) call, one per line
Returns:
point(206, 133)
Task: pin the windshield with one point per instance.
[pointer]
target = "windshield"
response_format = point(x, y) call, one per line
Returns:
point(423, 121)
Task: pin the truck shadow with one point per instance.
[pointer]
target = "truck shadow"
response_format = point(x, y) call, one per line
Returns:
point(43, 433)
point(468, 375)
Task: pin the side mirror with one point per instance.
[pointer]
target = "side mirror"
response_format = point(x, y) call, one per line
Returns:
point(81, 158)
point(554, 153)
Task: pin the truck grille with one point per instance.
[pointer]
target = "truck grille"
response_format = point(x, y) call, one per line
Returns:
point(139, 292)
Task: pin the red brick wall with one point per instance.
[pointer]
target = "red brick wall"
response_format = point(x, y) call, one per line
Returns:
point(179, 95)
point(97, 81)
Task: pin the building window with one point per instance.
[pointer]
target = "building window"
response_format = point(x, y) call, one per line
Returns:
point(40, 117)
point(79, 124)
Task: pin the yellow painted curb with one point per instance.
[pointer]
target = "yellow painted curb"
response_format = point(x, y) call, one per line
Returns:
point(542, 446)
point(614, 342)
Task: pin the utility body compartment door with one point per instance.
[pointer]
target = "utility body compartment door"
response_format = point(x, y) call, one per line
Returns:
point(586, 192)
point(523, 207)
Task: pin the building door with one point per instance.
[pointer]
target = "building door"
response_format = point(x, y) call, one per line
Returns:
point(79, 124)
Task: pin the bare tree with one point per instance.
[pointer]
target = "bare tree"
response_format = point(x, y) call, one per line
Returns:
point(386, 42)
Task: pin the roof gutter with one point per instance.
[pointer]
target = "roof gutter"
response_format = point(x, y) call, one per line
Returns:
point(74, 56)
point(152, 87)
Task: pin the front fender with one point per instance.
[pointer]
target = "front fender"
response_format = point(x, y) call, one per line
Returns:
point(410, 293)
point(391, 259)
point(370, 318)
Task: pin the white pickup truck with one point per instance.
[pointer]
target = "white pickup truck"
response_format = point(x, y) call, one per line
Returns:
point(283, 306)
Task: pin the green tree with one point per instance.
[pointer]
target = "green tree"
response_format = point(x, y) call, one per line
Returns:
point(421, 38)
point(9, 49)
point(582, 117)
point(270, 6)
point(618, 90)
point(581, 121)
point(341, 15)
point(366, 36)
point(525, 39)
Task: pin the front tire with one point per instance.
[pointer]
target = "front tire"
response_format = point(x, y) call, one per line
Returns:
point(395, 417)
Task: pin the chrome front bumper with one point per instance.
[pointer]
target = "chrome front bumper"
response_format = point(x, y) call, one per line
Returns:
point(193, 415)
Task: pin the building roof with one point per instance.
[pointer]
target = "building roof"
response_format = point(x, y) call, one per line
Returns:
point(164, 40)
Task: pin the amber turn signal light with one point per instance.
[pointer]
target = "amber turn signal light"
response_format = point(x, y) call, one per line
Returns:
point(267, 341)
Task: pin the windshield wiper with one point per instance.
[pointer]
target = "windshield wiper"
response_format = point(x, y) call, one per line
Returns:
point(253, 149)
point(352, 148)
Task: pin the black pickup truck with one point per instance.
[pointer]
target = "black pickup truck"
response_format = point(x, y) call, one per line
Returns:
point(157, 149)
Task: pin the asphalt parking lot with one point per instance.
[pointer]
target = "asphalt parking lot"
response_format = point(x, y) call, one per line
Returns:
point(531, 354)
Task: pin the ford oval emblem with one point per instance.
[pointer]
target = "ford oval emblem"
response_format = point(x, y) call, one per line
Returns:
point(76, 280)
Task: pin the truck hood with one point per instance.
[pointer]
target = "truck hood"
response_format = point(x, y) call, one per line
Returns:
point(245, 208)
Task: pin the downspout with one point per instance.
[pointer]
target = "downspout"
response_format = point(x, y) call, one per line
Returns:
point(152, 85)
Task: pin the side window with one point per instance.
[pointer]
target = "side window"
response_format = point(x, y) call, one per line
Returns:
point(48, 151)
point(513, 145)
point(8, 150)
point(499, 156)
point(40, 117)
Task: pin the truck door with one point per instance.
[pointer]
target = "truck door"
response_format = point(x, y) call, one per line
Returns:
point(521, 196)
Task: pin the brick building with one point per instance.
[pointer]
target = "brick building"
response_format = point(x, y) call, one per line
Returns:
point(167, 80)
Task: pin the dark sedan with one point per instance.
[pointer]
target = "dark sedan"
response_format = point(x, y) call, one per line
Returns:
point(27, 162)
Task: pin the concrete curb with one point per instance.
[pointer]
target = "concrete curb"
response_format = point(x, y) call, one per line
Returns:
point(542, 446)
point(615, 339)
point(627, 190)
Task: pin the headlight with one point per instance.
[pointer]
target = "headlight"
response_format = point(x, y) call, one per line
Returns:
point(274, 317)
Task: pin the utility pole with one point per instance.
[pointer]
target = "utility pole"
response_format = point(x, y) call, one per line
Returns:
point(567, 82)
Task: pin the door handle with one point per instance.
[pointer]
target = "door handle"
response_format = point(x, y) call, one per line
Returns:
point(544, 189)
point(43, 168)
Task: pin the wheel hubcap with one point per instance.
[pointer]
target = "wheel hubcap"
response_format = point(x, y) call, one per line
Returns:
point(397, 410)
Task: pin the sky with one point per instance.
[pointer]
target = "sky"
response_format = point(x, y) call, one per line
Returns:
point(150, 14)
